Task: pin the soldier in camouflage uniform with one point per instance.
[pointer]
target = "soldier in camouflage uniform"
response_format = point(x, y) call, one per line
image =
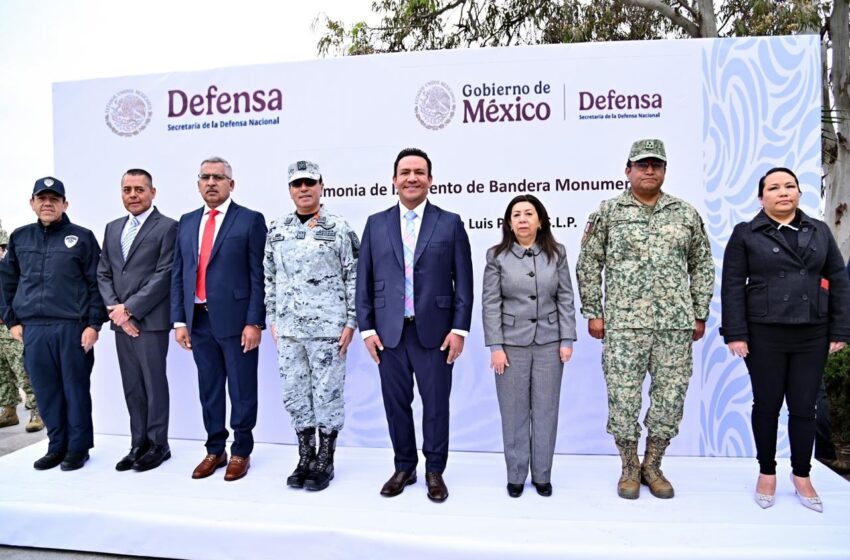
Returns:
point(310, 276)
point(659, 277)
point(12, 374)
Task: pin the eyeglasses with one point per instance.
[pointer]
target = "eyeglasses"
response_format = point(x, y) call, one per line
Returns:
point(298, 182)
point(644, 165)
point(213, 176)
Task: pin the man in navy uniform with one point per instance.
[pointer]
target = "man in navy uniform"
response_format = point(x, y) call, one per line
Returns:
point(51, 303)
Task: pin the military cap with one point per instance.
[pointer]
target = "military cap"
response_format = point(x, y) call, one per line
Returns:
point(304, 170)
point(51, 184)
point(648, 148)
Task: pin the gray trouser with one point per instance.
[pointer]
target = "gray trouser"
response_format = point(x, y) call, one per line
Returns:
point(529, 396)
point(313, 376)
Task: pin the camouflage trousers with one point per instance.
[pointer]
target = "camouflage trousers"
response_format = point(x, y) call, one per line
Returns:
point(313, 376)
point(12, 375)
point(628, 355)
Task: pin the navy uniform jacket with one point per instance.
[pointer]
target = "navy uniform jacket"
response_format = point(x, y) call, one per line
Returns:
point(49, 275)
point(766, 281)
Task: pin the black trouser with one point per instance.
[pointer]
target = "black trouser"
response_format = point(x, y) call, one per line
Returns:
point(786, 362)
point(824, 448)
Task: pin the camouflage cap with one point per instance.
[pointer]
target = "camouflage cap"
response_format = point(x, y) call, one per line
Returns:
point(46, 184)
point(304, 170)
point(648, 148)
point(4, 236)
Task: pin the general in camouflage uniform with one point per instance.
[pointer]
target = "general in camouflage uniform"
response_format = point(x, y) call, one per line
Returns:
point(659, 277)
point(310, 274)
point(13, 378)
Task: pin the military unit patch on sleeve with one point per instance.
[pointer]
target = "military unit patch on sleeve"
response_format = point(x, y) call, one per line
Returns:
point(355, 243)
point(588, 228)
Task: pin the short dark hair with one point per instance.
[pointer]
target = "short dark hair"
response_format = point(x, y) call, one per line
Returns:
point(411, 152)
point(777, 170)
point(136, 172)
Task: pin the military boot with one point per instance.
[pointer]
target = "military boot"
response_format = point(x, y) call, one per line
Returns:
point(306, 456)
point(650, 470)
point(8, 416)
point(323, 469)
point(35, 423)
point(628, 486)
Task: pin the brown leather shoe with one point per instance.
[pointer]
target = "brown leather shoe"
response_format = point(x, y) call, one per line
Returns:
point(395, 485)
point(209, 465)
point(237, 468)
point(437, 491)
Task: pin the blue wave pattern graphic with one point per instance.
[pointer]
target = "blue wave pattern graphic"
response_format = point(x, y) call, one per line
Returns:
point(761, 103)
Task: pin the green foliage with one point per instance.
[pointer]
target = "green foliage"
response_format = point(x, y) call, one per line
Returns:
point(836, 377)
point(409, 25)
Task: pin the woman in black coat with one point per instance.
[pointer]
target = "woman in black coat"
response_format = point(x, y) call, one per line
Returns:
point(786, 305)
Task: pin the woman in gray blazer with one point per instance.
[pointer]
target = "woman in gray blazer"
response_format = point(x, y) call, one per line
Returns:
point(530, 326)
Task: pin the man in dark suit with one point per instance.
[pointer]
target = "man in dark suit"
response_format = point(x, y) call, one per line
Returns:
point(414, 307)
point(218, 312)
point(134, 278)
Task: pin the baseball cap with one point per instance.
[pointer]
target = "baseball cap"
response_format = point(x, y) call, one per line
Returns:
point(48, 184)
point(648, 148)
point(304, 170)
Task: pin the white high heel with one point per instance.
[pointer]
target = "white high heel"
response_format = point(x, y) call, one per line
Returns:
point(814, 503)
point(764, 500)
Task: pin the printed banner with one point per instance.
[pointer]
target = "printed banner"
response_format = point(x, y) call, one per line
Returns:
point(553, 121)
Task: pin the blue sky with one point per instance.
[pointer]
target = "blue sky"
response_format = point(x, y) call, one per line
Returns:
point(47, 41)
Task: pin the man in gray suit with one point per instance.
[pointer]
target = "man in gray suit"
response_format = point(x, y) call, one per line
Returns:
point(134, 277)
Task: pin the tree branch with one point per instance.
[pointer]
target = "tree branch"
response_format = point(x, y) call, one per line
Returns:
point(665, 10)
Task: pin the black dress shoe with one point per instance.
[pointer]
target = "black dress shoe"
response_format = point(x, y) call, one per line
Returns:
point(155, 456)
point(437, 491)
point(395, 485)
point(74, 461)
point(126, 463)
point(543, 488)
point(49, 461)
point(515, 490)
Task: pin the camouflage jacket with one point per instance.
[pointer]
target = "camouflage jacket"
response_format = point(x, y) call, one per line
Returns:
point(659, 272)
point(310, 275)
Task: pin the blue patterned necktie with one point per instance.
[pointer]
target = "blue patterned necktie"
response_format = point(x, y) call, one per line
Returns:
point(409, 239)
point(129, 236)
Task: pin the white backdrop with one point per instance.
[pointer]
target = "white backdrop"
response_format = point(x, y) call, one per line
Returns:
point(726, 110)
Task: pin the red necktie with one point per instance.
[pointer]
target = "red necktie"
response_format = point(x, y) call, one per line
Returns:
point(204, 256)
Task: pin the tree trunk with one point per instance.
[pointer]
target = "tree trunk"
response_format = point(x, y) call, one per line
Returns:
point(708, 20)
point(837, 152)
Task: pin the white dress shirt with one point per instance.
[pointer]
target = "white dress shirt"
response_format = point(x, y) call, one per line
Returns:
point(141, 217)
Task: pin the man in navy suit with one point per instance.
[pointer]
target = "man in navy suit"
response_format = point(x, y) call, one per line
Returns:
point(134, 278)
point(218, 312)
point(414, 307)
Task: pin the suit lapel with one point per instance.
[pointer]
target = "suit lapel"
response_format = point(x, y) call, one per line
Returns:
point(140, 237)
point(429, 222)
point(229, 218)
point(194, 223)
point(393, 227)
point(114, 237)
